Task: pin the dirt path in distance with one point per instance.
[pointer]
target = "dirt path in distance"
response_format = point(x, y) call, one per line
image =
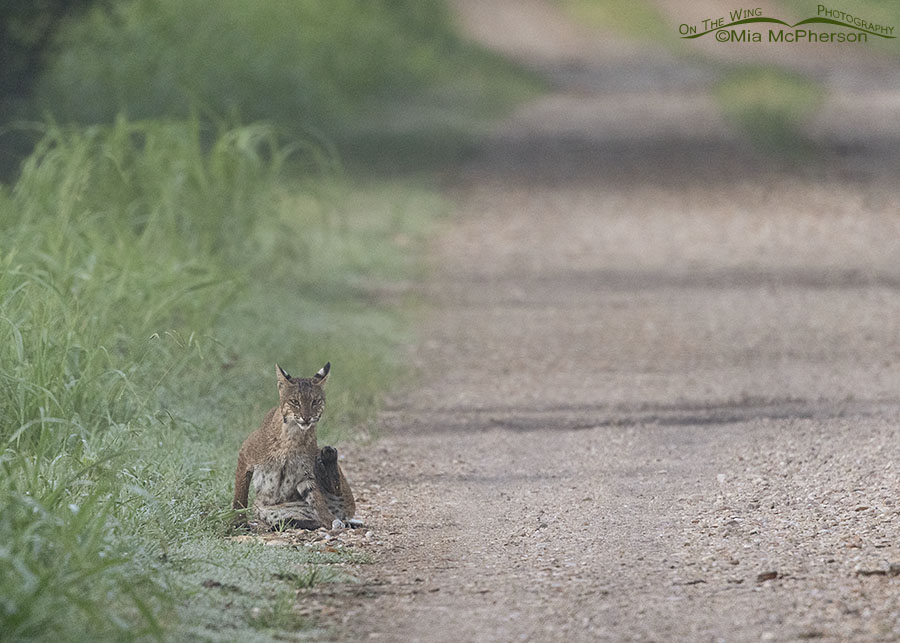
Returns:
point(661, 376)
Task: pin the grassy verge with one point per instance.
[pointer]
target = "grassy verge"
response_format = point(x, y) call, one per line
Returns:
point(148, 282)
point(771, 106)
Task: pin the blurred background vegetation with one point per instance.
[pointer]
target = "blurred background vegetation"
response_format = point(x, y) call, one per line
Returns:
point(192, 191)
point(347, 72)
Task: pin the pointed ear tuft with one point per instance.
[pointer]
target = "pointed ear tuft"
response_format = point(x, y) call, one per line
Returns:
point(320, 377)
point(283, 378)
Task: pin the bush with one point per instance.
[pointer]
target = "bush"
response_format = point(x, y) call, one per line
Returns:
point(299, 64)
point(26, 28)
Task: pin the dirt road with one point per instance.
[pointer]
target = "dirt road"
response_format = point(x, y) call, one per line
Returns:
point(661, 388)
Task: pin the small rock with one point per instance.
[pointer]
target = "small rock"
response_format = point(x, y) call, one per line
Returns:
point(853, 542)
point(369, 534)
point(871, 572)
point(764, 576)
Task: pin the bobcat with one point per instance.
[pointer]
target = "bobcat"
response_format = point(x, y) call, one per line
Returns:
point(296, 484)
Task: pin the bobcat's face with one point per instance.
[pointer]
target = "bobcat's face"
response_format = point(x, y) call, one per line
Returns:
point(301, 399)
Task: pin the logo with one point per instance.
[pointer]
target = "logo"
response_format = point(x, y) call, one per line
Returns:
point(731, 28)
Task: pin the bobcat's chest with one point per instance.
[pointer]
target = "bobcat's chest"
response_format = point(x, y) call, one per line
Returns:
point(276, 482)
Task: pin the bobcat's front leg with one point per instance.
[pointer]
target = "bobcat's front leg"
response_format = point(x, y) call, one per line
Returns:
point(309, 491)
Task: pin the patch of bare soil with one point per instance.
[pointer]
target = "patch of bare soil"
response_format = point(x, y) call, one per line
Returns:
point(661, 376)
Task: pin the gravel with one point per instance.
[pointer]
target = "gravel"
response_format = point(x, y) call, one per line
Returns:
point(659, 393)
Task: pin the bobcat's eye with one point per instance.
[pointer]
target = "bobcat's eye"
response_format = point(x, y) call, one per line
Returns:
point(294, 403)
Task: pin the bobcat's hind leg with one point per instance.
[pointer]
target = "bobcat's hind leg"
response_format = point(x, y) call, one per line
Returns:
point(291, 515)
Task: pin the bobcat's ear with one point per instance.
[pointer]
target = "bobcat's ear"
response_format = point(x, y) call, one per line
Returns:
point(320, 377)
point(283, 378)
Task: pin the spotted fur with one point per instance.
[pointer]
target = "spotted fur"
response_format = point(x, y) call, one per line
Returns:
point(294, 483)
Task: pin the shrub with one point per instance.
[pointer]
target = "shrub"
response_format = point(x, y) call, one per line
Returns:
point(299, 64)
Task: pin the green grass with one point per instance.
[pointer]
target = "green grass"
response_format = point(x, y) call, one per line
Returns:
point(771, 106)
point(151, 274)
point(247, 591)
